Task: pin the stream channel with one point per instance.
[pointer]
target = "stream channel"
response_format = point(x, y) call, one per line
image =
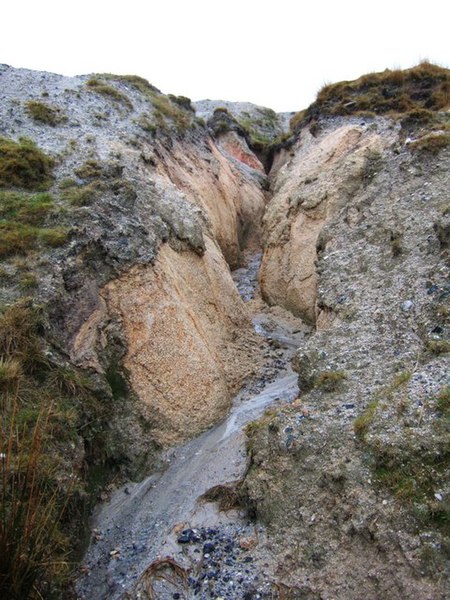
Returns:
point(163, 516)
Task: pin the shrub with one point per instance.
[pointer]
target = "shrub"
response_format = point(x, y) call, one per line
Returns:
point(44, 113)
point(24, 165)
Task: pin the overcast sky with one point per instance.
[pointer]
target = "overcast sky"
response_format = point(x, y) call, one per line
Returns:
point(276, 53)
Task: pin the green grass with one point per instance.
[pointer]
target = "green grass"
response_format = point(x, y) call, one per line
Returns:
point(432, 143)
point(438, 346)
point(44, 113)
point(31, 209)
point(443, 402)
point(82, 195)
point(330, 381)
point(43, 408)
point(100, 87)
point(24, 165)
point(414, 94)
point(22, 220)
point(363, 422)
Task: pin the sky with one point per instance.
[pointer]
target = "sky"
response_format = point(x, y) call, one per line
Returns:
point(277, 54)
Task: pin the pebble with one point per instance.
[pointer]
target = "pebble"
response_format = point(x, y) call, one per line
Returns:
point(407, 305)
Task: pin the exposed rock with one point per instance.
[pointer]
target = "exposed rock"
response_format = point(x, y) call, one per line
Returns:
point(189, 340)
point(315, 186)
point(347, 478)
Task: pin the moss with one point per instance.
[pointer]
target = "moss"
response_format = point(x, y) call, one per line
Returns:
point(44, 113)
point(100, 87)
point(24, 165)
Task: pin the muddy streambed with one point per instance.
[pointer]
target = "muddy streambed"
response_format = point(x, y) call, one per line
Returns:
point(163, 515)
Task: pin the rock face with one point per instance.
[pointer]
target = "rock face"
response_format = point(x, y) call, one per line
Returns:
point(157, 212)
point(188, 340)
point(314, 186)
point(125, 241)
point(352, 478)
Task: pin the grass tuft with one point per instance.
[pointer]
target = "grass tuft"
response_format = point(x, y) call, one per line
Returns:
point(24, 165)
point(44, 113)
point(330, 380)
point(100, 87)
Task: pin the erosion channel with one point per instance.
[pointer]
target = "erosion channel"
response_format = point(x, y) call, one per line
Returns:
point(167, 518)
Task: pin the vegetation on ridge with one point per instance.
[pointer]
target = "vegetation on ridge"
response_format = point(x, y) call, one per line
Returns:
point(417, 92)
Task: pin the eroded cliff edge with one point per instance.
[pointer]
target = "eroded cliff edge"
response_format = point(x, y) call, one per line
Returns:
point(116, 253)
point(352, 478)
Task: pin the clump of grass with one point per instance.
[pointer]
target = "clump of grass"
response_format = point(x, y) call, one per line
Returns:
point(44, 113)
point(414, 94)
point(229, 497)
point(176, 109)
point(330, 381)
point(438, 346)
point(91, 169)
point(18, 238)
point(363, 422)
point(432, 143)
point(10, 371)
point(443, 401)
point(100, 87)
point(82, 195)
point(28, 281)
point(146, 123)
point(24, 165)
point(164, 110)
point(31, 209)
point(40, 415)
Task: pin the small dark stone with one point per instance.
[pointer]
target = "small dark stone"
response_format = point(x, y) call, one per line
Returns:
point(176, 596)
point(349, 406)
point(248, 559)
point(208, 547)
